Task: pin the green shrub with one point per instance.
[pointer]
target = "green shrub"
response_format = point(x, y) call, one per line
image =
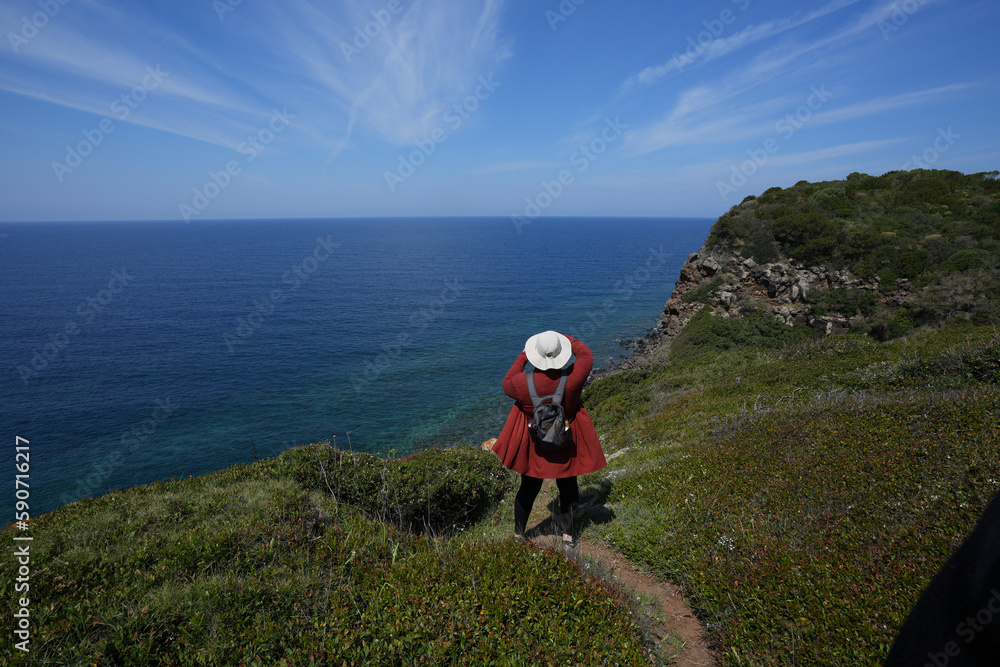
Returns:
point(965, 260)
point(910, 223)
point(970, 295)
point(847, 302)
point(706, 333)
point(701, 292)
point(891, 324)
point(440, 490)
point(761, 246)
point(970, 364)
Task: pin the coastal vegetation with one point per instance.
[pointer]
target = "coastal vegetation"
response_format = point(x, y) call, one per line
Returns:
point(938, 231)
point(802, 489)
point(804, 495)
point(302, 559)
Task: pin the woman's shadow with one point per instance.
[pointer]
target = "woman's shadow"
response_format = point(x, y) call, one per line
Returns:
point(592, 509)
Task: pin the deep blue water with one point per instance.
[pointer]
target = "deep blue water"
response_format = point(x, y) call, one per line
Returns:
point(137, 352)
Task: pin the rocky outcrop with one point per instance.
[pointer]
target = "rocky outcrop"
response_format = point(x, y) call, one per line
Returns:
point(732, 286)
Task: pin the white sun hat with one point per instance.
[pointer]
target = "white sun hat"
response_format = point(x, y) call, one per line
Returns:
point(547, 350)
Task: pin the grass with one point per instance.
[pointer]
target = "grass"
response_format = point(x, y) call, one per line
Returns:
point(802, 494)
point(805, 496)
point(262, 565)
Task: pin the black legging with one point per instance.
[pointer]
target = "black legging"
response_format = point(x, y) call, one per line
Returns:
point(569, 496)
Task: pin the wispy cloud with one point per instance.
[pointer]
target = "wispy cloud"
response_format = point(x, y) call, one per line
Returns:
point(739, 122)
point(711, 113)
point(888, 103)
point(725, 45)
point(395, 85)
point(831, 152)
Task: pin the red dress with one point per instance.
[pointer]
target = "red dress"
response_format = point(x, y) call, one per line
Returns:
point(514, 445)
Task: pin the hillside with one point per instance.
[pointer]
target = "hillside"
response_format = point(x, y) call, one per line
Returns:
point(878, 255)
point(801, 486)
point(304, 559)
point(813, 429)
point(805, 494)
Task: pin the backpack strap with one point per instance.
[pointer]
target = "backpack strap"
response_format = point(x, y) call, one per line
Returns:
point(535, 399)
point(556, 398)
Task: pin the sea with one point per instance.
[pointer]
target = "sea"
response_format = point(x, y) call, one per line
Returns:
point(144, 351)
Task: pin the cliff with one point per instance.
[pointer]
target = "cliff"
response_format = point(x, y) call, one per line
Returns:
point(880, 256)
point(733, 286)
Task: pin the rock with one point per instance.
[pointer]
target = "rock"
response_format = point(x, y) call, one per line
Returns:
point(710, 266)
point(830, 325)
point(783, 289)
point(820, 325)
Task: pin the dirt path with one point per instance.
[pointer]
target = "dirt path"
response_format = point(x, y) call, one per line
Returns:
point(679, 634)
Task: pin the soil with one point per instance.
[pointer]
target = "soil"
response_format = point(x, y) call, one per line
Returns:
point(679, 634)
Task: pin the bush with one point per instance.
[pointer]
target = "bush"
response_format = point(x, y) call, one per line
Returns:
point(706, 333)
point(761, 246)
point(911, 264)
point(437, 490)
point(847, 302)
point(970, 295)
point(891, 325)
point(907, 222)
point(701, 292)
point(964, 260)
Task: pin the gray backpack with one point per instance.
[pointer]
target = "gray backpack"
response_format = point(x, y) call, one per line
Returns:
point(549, 427)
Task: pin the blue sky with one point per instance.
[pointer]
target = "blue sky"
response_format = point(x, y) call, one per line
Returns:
point(207, 109)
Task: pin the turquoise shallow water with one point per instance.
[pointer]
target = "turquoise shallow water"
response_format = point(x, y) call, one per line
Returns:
point(138, 352)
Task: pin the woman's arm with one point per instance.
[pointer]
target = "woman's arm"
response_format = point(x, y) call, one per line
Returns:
point(581, 367)
point(515, 370)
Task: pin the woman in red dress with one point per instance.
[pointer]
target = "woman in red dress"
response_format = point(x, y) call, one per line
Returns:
point(549, 352)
